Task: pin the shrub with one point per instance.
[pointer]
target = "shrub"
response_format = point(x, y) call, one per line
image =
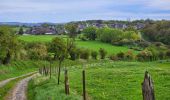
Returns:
point(37, 51)
point(129, 55)
point(82, 37)
point(158, 44)
point(103, 53)
point(168, 53)
point(123, 42)
point(144, 55)
point(161, 55)
point(120, 55)
point(75, 53)
point(113, 57)
point(144, 44)
point(23, 54)
point(85, 54)
point(94, 54)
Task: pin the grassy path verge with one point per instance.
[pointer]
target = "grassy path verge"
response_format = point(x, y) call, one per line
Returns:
point(6, 88)
point(43, 88)
point(4, 82)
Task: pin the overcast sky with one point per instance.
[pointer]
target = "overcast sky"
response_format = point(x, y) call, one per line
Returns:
point(74, 10)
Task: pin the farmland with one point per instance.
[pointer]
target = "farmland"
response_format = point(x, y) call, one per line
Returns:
point(107, 81)
point(92, 45)
point(114, 61)
point(85, 50)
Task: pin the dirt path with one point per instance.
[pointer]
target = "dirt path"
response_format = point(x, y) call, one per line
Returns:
point(2, 83)
point(19, 91)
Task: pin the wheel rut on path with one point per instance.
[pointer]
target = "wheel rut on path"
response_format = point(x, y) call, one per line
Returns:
point(20, 90)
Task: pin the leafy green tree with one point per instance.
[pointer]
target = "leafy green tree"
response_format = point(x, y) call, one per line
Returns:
point(109, 35)
point(131, 28)
point(90, 33)
point(158, 31)
point(9, 44)
point(59, 49)
point(38, 51)
point(131, 35)
point(72, 30)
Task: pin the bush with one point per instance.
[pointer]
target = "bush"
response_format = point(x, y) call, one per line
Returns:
point(158, 44)
point(74, 54)
point(161, 55)
point(103, 53)
point(168, 53)
point(94, 54)
point(123, 42)
point(82, 37)
point(144, 44)
point(144, 55)
point(85, 54)
point(113, 57)
point(129, 55)
point(120, 56)
point(37, 51)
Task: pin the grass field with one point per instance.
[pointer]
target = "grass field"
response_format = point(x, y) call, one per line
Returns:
point(114, 81)
point(92, 45)
point(36, 38)
point(96, 45)
point(43, 88)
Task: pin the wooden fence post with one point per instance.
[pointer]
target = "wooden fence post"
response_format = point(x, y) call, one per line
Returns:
point(44, 70)
point(40, 70)
point(50, 69)
point(84, 85)
point(147, 88)
point(66, 83)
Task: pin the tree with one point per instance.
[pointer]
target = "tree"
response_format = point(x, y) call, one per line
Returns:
point(37, 51)
point(72, 30)
point(21, 32)
point(158, 31)
point(59, 49)
point(131, 28)
point(9, 44)
point(131, 35)
point(90, 33)
point(72, 50)
point(109, 35)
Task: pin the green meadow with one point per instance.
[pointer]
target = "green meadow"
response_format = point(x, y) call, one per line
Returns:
point(92, 45)
point(106, 81)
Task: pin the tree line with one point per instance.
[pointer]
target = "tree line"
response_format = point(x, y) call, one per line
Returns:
point(111, 35)
point(157, 32)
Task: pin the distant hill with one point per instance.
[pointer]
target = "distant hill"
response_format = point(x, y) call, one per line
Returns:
point(25, 24)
